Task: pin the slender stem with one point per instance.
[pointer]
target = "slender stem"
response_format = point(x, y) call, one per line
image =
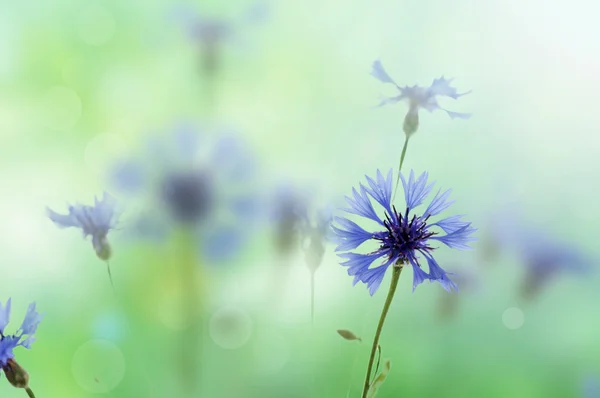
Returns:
point(400, 166)
point(29, 392)
point(312, 297)
point(116, 296)
point(112, 283)
point(397, 269)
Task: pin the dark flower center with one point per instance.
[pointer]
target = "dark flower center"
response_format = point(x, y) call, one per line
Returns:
point(188, 196)
point(404, 235)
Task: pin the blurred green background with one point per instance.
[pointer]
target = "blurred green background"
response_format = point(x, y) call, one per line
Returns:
point(83, 82)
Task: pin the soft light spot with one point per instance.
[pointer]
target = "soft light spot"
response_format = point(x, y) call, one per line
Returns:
point(271, 353)
point(96, 26)
point(98, 366)
point(103, 150)
point(513, 318)
point(60, 108)
point(230, 328)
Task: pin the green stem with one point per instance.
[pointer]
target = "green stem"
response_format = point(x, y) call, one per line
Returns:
point(400, 166)
point(29, 392)
point(112, 284)
point(312, 297)
point(397, 269)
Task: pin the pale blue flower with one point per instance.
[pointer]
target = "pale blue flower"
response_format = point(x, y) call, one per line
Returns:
point(419, 97)
point(95, 221)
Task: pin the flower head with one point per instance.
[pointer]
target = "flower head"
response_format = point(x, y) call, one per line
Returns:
point(95, 221)
point(289, 214)
point(419, 97)
point(402, 237)
point(187, 179)
point(24, 336)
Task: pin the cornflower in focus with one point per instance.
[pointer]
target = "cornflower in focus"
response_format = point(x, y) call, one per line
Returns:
point(95, 221)
point(403, 236)
point(211, 33)
point(203, 183)
point(24, 337)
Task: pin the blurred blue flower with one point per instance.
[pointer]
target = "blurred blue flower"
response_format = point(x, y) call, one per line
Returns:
point(210, 33)
point(289, 214)
point(24, 336)
point(419, 97)
point(191, 181)
point(545, 257)
point(404, 238)
point(96, 221)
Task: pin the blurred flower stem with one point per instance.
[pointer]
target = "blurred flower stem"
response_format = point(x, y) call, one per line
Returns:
point(397, 269)
point(191, 297)
point(30, 393)
point(400, 166)
point(137, 353)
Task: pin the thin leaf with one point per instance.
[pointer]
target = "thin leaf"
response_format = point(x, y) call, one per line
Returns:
point(379, 379)
point(348, 335)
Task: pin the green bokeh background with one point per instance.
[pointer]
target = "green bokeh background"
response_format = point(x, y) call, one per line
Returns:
point(84, 82)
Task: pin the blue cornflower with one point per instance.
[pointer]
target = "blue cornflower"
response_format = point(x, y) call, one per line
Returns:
point(192, 181)
point(95, 221)
point(403, 236)
point(419, 97)
point(24, 336)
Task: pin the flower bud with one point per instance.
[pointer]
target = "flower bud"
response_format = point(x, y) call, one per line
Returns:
point(15, 374)
point(102, 248)
point(411, 122)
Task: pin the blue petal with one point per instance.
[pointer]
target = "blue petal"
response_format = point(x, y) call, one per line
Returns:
point(62, 220)
point(415, 191)
point(379, 73)
point(7, 344)
point(458, 239)
point(4, 315)
point(223, 243)
point(451, 224)
point(456, 115)
point(438, 204)
point(31, 321)
point(436, 273)
point(361, 205)
point(389, 100)
point(381, 190)
point(358, 263)
point(374, 276)
point(352, 236)
point(442, 87)
point(419, 276)
point(128, 177)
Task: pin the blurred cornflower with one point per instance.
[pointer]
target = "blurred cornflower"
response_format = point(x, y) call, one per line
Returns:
point(289, 216)
point(24, 337)
point(545, 257)
point(211, 33)
point(419, 97)
point(205, 186)
point(403, 236)
point(96, 221)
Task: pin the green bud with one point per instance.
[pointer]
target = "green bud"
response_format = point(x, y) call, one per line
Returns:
point(348, 335)
point(411, 122)
point(15, 374)
point(103, 250)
